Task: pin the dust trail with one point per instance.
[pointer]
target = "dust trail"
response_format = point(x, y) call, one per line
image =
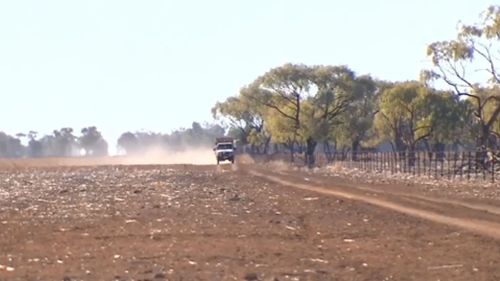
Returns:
point(487, 228)
point(161, 156)
point(152, 156)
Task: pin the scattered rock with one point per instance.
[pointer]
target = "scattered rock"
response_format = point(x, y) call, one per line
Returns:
point(251, 276)
point(6, 268)
point(160, 276)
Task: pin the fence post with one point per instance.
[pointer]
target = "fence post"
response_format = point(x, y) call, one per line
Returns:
point(425, 163)
point(493, 160)
point(418, 163)
point(391, 160)
point(398, 163)
point(359, 161)
point(379, 161)
point(389, 155)
point(383, 161)
point(435, 165)
point(476, 166)
point(362, 166)
point(384, 156)
point(462, 165)
point(442, 159)
point(455, 156)
point(468, 166)
point(429, 162)
point(362, 161)
point(369, 161)
point(413, 164)
point(404, 156)
point(372, 159)
point(448, 161)
point(484, 167)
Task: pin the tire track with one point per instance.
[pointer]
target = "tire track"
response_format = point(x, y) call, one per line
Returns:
point(494, 210)
point(479, 226)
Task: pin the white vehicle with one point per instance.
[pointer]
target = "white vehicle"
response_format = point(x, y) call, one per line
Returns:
point(224, 149)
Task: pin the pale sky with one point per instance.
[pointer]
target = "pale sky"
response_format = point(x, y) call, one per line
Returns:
point(160, 65)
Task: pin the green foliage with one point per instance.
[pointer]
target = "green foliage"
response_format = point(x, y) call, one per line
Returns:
point(336, 90)
point(62, 143)
point(282, 90)
point(458, 62)
point(302, 101)
point(245, 117)
point(450, 119)
point(404, 117)
point(10, 146)
point(92, 142)
point(298, 104)
point(282, 129)
point(128, 141)
point(356, 122)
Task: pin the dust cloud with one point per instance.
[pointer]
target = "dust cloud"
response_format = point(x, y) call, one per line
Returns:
point(150, 156)
point(162, 156)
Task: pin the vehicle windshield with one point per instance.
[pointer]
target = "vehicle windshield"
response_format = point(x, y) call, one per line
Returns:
point(225, 146)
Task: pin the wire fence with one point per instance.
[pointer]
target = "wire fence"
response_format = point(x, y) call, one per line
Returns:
point(443, 164)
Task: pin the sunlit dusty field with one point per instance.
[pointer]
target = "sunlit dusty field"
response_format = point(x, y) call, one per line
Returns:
point(59, 221)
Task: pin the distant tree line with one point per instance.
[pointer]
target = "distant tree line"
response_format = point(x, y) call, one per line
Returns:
point(60, 143)
point(90, 142)
point(197, 136)
point(298, 106)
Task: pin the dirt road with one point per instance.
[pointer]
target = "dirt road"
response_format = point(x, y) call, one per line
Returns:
point(183, 222)
point(481, 218)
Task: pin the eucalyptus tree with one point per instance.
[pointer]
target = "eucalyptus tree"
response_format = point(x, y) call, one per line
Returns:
point(469, 64)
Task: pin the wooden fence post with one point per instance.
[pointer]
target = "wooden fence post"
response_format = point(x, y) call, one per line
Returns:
point(468, 166)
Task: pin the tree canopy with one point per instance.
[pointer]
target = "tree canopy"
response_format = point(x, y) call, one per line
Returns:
point(469, 64)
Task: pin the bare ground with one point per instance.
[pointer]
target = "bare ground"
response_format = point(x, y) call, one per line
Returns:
point(184, 222)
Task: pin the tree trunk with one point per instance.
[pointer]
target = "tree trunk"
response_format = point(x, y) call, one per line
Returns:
point(411, 156)
point(291, 146)
point(311, 147)
point(328, 152)
point(266, 145)
point(355, 148)
point(482, 144)
point(439, 148)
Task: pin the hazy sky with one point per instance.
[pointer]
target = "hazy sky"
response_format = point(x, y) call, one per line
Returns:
point(160, 65)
